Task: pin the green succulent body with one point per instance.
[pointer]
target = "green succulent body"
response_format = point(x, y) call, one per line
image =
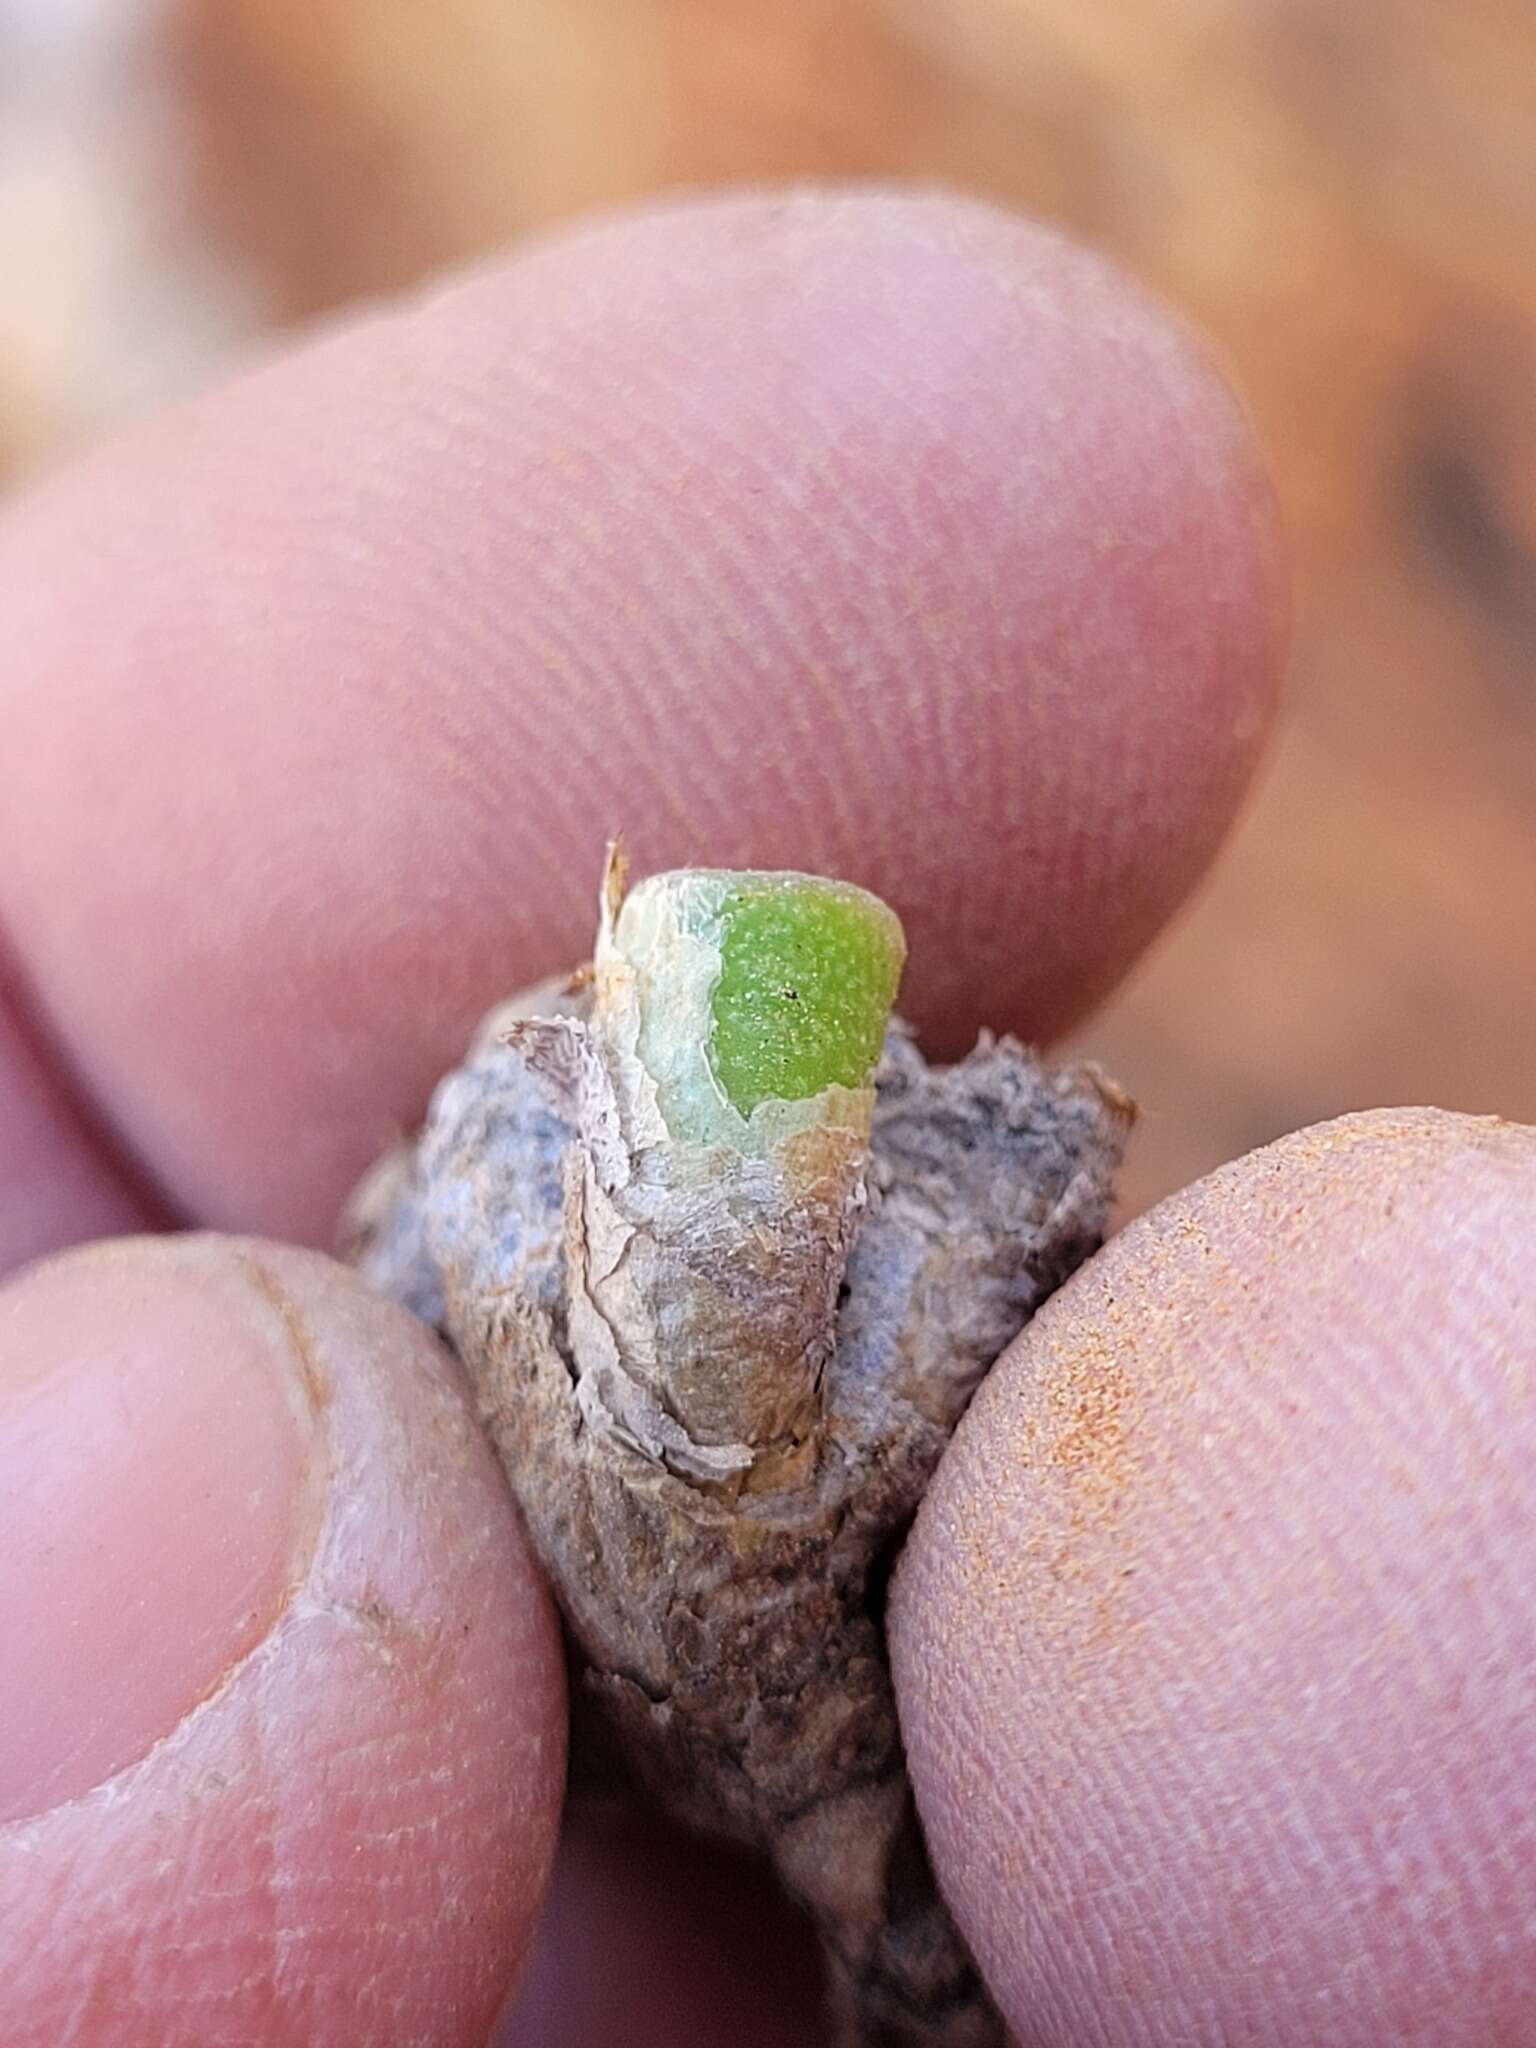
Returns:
point(757, 1001)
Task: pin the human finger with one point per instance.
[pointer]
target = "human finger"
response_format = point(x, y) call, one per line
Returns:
point(653, 1939)
point(281, 1739)
point(1216, 1639)
point(871, 531)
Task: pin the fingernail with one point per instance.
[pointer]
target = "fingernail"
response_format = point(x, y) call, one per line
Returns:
point(159, 1497)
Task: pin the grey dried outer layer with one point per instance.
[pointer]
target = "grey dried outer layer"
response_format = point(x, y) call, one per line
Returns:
point(726, 1618)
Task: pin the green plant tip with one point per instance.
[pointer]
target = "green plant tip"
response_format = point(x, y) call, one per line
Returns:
point(808, 973)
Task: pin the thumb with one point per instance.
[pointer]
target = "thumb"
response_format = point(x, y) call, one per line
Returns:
point(1216, 1642)
point(280, 1714)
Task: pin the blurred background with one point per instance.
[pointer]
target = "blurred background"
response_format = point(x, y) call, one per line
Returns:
point(1342, 192)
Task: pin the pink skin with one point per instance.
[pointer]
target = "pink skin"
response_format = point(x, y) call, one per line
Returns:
point(288, 1709)
point(878, 533)
point(58, 1184)
point(134, 1412)
point(1216, 1641)
point(652, 1940)
point(875, 532)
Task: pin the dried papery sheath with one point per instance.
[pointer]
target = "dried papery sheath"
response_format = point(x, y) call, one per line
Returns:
point(725, 1259)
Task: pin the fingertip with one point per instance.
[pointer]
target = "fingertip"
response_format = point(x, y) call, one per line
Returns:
point(869, 531)
point(304, 1768)
point(1213, 1639)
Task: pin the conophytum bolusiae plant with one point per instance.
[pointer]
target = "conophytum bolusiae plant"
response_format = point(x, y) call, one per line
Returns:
point(725, 1260)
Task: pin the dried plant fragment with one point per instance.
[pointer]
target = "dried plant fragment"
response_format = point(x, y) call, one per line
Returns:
point(725, 1259)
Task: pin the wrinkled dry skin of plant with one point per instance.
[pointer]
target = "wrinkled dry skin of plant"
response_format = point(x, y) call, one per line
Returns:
point(719, 1546)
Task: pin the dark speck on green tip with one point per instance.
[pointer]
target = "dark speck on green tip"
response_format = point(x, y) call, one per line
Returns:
point(808, 973)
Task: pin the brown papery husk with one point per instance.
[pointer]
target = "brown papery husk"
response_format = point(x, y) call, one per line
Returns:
point(719, 1386)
